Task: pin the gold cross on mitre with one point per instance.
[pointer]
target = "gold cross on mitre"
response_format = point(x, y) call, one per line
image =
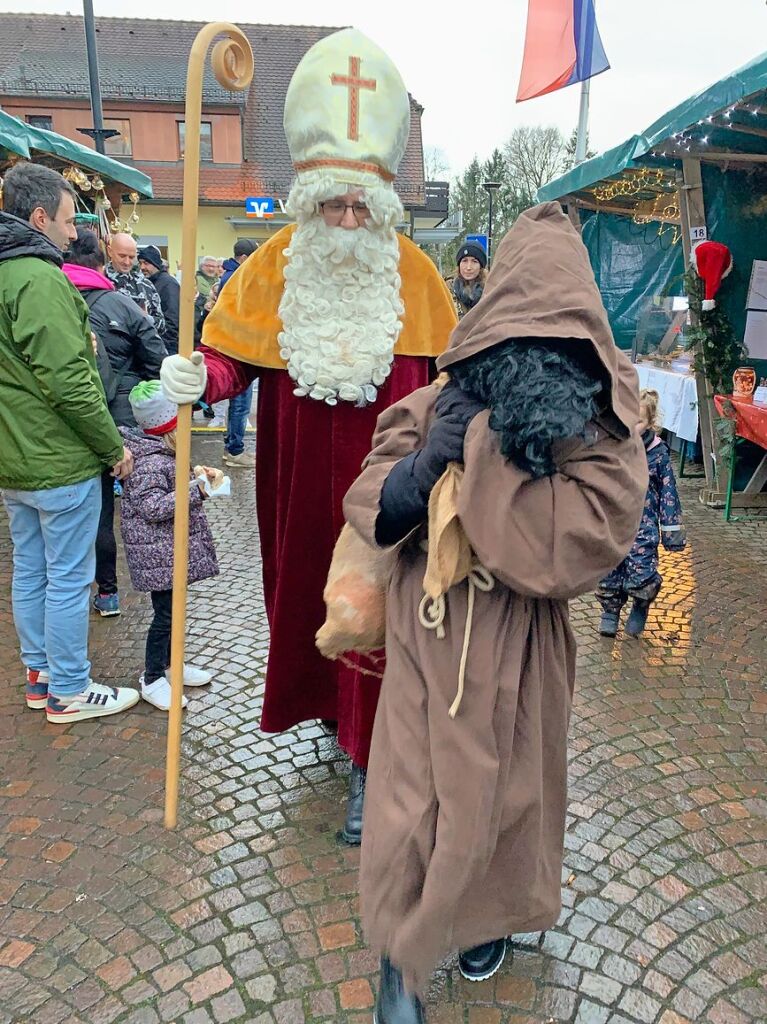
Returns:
point(354, 83)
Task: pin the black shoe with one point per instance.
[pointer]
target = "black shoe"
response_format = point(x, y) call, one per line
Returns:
point(394, 1005)
point(637, 619)
point(482, 961)
point(608, 624)
point(330, 725)
point(351, 833)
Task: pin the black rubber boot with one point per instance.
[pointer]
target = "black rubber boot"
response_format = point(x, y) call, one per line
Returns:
point(482, 961)
point(637, 619)
point(608, 624)
point(351, 833)
point(394, 1005)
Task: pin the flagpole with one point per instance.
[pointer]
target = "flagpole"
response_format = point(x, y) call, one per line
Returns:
point(582, 137)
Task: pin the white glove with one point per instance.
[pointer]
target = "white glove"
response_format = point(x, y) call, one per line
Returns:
point(183, 380)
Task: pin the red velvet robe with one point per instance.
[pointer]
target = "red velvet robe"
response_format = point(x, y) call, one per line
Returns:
point(308, 455)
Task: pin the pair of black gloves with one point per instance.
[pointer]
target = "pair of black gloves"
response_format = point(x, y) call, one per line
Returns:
point(406, 490)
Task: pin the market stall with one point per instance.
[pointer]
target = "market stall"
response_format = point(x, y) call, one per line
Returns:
point(696, 175)
point(749, 419)
point(103, 185)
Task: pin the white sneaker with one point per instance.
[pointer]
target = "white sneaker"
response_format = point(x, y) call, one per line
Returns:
point(245, 460)
point(158, 693)
point(196, 676)
point(95, 701)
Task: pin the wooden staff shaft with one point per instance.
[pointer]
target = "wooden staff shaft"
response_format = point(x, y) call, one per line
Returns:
point(233, 72)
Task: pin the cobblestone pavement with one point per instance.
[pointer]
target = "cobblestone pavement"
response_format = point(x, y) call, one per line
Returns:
point(248, 912)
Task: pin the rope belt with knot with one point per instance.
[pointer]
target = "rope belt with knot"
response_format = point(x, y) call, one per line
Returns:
point(431, 615)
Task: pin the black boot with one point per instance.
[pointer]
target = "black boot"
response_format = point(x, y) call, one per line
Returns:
point(351, 833)
point(637, 619)
point(482, 961)
point(394, 1005)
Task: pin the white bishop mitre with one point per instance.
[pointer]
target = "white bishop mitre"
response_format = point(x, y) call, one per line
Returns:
point(347, 110)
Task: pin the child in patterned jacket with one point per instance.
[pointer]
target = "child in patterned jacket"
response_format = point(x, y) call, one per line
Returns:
point(146, 522)
point(637, 576)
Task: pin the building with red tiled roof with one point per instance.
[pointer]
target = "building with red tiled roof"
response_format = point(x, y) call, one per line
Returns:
point(143, 64)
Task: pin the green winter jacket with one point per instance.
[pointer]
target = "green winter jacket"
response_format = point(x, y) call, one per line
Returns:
point(55, 428)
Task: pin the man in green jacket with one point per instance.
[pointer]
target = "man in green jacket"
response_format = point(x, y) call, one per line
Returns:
point(57, 436)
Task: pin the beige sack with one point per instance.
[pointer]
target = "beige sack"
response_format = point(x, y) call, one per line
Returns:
point(450, 556)
point(355, 597)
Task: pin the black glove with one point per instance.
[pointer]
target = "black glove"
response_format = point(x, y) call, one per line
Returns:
point(452, 400)
point(454, 410)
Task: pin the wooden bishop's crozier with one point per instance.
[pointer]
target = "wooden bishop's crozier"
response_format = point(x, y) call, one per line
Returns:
point(232, 63)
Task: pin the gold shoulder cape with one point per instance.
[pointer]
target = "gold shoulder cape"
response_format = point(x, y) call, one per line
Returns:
point(244, 323)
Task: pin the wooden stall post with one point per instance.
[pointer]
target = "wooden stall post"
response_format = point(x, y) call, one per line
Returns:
point(693, 215)
point(232, 63)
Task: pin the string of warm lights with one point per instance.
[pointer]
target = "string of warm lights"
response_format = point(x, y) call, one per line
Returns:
point(664, 207)
point(665, 210)
point(722, 121)
point(631, 185)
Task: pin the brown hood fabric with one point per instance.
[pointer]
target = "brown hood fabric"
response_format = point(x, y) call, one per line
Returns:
point(542, 287)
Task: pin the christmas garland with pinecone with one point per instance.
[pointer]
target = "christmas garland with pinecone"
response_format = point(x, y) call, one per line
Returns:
point(717, 353)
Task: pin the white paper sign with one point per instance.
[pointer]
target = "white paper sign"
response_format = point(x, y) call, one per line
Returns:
point(698, 234)
point(755, 338)
point(757, 289)
point(760, 396)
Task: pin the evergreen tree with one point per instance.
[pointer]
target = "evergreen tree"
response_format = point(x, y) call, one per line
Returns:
point(569, 159)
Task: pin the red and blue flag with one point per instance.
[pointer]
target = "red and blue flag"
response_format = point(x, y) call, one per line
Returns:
point(562, 46)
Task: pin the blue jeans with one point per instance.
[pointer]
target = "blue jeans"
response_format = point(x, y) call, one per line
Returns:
point(236, 421)
point(54, 561)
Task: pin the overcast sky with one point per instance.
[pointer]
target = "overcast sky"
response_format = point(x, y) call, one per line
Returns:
point(462, 60)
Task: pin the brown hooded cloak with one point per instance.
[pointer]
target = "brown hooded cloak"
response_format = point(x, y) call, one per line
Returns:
point(464, 817)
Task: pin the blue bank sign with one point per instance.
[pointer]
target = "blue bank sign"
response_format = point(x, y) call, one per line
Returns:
point(260, 206)
point(263, 207)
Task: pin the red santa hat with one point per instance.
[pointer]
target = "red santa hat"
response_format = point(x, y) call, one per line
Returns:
point(712, 262)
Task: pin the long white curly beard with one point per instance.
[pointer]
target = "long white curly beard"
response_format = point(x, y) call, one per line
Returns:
point(341, 310)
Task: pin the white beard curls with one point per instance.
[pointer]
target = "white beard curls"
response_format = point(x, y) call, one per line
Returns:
point(341, 310)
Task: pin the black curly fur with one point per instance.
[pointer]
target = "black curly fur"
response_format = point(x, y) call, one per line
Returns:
point(536, 393)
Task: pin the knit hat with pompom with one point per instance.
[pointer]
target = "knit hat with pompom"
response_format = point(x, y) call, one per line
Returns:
point(154, 411)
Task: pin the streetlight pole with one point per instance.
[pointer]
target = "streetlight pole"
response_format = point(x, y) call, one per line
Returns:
point(98, 132)
point(490, 187)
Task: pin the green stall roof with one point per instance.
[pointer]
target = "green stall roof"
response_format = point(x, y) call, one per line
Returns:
point(704, 106)
point(604, 165)
point(24, 139)
point(733, 88)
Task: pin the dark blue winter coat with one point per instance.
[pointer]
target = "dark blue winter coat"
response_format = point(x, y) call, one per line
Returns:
point(661, 523)
point(231, 266)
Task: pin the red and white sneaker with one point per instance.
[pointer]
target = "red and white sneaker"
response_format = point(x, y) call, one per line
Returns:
point(95, 701)
point(37, 688)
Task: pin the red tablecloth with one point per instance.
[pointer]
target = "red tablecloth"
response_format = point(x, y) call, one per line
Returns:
point(750, 417)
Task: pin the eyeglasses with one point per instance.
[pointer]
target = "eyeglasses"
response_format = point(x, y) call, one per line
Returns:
point(335, 209)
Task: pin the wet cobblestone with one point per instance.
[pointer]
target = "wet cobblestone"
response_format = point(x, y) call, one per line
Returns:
point(248, 912)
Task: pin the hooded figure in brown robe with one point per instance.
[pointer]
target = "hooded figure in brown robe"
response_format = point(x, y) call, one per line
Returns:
point(465, 815)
